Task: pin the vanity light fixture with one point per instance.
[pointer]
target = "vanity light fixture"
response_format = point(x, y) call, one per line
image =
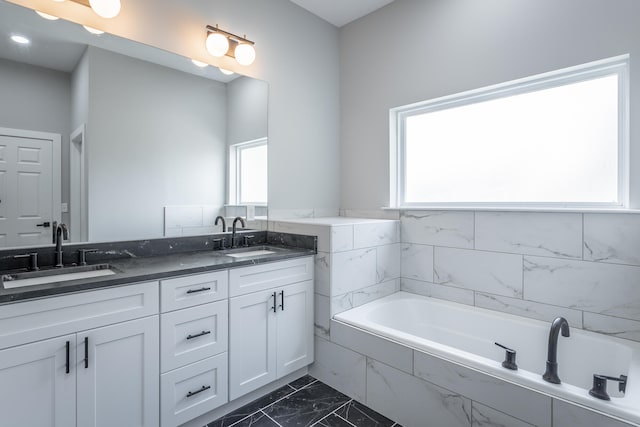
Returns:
point(47, 16)
point(220, 43)
point(199, 63)
point(93, 30)
point(103, 8)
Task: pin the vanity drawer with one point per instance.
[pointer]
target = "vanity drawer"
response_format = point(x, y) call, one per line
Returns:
point(193, 334)
point(269, 275)
point(193, 390)
point(30, 321)
point(196, 289)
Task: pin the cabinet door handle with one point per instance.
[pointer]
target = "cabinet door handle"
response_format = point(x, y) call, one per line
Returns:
point(282, 300)
point(86, 352)
point(190, 337)
point(193, 393)
point(274, 296)
point(68, 349)
point(193, 291)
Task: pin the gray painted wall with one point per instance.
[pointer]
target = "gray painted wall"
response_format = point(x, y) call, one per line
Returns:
point(297, 54)
point(40, 100)
point(414, 50)
point(246, 112)
point(155, 137)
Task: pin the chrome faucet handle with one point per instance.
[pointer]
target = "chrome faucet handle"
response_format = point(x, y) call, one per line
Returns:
point(245, 240)
point(221, 241)
point(509, 358)
point(599, 389)
point(82, 255)
point(33, 260)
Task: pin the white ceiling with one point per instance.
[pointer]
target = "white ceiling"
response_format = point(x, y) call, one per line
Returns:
point(341, 12)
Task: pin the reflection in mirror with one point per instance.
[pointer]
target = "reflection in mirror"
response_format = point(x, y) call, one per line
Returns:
point(119, 140)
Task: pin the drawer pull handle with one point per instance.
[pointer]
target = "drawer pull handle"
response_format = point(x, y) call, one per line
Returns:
point(274, 302)
point(193, 291)
point(68, 356)
point(282, 300)
point(190, 337)
point(86, 352)
point(193, 393)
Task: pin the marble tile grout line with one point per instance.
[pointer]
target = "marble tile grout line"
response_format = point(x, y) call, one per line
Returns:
point(293, 390)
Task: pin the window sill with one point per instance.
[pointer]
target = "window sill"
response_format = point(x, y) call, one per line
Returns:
point(513, 209)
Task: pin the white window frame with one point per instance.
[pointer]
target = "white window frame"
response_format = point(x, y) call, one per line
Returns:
point(235, 169)
point(397, 118)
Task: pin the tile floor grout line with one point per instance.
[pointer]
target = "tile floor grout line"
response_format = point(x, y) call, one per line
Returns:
point(346, 420)
point(264, 407)
point(267, 415)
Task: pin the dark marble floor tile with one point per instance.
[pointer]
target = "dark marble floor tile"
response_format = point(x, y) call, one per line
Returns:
point(259, 419)
point(332, 420)
point(362, 416)
point(302, 382)
point(306, 406)
point(240, 413)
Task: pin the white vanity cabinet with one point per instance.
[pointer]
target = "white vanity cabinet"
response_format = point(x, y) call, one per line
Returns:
point(35, 388)
point(193, 348)
point(270, 323)
point(47, 381)
point(117, 374)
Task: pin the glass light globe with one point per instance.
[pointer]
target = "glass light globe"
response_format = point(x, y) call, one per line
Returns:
point(93, 30)
point(106, 8)
point(20, 39)
point(225, 71)
point(245, 54)
point(199, 63)
point(47, 16)
point(217, 44)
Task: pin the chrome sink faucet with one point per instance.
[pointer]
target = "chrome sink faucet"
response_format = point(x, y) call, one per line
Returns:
point(60, 232)
point(233, 229)
point(551, 373)
point(224, 223)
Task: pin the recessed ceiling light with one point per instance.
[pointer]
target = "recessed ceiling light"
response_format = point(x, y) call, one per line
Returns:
point(20, 39)
point(224, 71)
point(199, 63)
point(93, 30)
point(47, 16)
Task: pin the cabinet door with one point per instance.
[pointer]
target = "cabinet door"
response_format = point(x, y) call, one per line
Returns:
point(295, 327)
point(118, 375)
point(252, 342)
point(35, 388)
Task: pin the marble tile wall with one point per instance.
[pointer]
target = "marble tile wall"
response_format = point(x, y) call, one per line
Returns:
point(583, 266)
point(358, 261)
point(417, 389)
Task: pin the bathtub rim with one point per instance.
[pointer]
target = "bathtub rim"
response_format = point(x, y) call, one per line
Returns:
point(621, 409)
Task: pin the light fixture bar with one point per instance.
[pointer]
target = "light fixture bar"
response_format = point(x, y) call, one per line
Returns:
point(82, 2)
point(210, 28)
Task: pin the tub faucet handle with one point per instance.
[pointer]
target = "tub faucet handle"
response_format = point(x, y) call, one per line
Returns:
point(599, 389)
point(509, 358)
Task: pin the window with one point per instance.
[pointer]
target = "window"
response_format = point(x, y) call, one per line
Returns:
point(248, 173)
point(553, 140)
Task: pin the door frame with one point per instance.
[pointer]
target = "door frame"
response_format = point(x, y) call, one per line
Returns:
point(78, 185)
point(56, 166)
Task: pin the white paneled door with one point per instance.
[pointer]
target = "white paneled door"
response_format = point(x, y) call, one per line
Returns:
point(29, 186)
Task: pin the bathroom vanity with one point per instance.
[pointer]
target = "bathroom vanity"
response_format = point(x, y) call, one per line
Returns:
point(162, 341)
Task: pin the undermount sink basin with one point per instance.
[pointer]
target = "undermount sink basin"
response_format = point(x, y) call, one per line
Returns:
point(247, 254)
point(64, 274)
point(250, 252)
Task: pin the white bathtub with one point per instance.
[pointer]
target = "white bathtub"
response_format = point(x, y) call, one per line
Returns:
point(466, 335)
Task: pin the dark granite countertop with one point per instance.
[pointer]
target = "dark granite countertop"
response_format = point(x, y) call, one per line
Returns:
point(136, 269)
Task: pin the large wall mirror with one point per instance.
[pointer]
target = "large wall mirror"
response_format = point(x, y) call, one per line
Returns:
point(119, 140)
